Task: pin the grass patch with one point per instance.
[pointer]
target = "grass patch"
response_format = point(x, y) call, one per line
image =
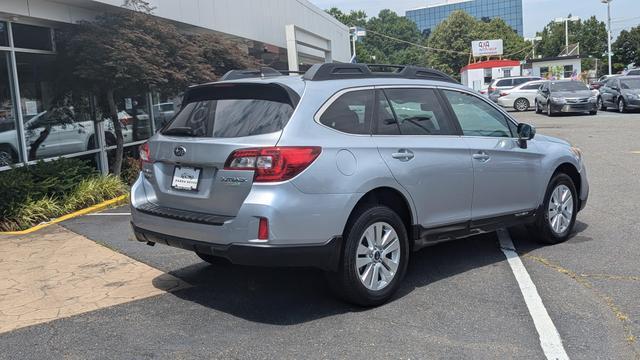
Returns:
point(44, 191)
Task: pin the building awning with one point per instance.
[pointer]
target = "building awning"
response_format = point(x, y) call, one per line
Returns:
point(489, 64)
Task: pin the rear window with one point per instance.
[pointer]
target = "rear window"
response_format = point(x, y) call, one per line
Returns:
point(233, 110)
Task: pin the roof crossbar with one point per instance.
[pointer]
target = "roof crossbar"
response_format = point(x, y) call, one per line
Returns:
point(335, 71)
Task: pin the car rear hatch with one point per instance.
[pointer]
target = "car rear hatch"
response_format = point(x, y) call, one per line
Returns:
point(186, 159)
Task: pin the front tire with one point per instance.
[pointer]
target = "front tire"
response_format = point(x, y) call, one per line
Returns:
point(374, 260)
point(8, 156)
point(559, 211)
point(601, 104)
point(538, 109)
point(622, 106)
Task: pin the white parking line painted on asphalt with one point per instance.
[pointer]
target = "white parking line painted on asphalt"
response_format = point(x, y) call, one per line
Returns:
point(107, 214)
point(547, 332)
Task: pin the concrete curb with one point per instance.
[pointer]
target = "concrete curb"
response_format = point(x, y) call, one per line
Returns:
point(97, 207)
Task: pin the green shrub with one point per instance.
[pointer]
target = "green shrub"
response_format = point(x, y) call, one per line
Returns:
point(131, 168)
point(92, 191)
point(38, 193)
point(53, 178)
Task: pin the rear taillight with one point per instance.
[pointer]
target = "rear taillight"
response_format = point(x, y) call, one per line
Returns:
point(145, 156)
point(273, 163)
point(503, 94)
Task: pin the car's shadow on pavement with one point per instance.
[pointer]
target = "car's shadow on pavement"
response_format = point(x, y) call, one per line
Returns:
point(284, 296)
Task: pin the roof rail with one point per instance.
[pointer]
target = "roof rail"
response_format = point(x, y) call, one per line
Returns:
point(250, 73)
point(335, 71)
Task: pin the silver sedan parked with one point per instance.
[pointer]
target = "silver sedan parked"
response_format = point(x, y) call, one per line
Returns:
point(521, 97)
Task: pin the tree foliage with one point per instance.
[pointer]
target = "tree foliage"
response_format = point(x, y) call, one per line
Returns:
point(591, 34)
point(626, 48)
point(133, 50)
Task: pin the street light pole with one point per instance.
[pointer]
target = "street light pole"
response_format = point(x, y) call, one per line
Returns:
point(608, 2)
point(566, 20)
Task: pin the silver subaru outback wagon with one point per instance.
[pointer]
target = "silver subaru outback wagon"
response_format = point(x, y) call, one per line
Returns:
point(348, 168)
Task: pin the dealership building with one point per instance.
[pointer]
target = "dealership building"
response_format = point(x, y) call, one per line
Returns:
point(283, 34)
point(427, 18)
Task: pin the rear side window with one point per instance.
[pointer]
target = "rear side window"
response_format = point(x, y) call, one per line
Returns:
point(350, 113)
point(233, 110)
point(418, 112)
point(520, 81)
point(505, 82)
point(531, 87)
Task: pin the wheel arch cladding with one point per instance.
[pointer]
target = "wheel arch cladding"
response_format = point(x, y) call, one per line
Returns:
point(389, 197)
point(572, 172)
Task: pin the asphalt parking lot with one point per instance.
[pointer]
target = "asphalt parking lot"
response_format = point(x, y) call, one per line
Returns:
point(459, 299)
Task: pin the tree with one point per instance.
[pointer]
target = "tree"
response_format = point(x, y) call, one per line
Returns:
point(513, 44)
point(353, 18)
point(591, 34)
point(455, 35)
point(135, 50)
point(626, 48)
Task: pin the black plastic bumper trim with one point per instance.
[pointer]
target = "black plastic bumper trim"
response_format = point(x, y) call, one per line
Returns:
point(323, 256)
point(183, 215)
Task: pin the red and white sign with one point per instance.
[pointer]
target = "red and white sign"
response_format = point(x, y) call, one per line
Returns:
point(487, 47)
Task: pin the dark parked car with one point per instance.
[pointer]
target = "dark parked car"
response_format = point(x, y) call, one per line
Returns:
point(567, 96)
point(598, 83)
point(621, 93)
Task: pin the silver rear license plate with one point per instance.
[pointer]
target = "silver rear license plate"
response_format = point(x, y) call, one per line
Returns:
point(185, 178)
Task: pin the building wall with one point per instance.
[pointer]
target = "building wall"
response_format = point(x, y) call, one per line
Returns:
point(262, 21)
point(538, 68)
point(474, 78)
point(510, 11)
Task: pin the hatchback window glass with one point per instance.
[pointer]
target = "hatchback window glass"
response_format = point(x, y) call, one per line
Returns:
point(237, 110)
point(568, 86)
point(418, 112)
point(630, 84)
point(350, 113)
point(476, 117)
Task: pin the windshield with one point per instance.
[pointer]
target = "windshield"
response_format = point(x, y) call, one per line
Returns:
point(630, 83)
point(568, 86)
point(232, 110)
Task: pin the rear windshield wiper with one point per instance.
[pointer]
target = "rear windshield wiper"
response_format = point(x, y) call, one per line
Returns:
point(180, 130)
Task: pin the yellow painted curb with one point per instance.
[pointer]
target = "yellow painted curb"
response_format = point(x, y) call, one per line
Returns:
point(84, 211)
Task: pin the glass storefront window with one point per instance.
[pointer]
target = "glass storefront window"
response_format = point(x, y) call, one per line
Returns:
point(57, 121)
point(134, 116)
point(31, 37)
point(4, 34)
point(164, 108)
point(9, 139)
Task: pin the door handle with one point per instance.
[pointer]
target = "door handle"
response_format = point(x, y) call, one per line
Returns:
point(481, 156)
point(403, 155)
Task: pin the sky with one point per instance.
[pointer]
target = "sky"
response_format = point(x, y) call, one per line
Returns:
point(537, 13)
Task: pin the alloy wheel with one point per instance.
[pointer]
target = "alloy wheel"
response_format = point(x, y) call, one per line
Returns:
point(378, 256)
point(560, 210)
point(621, 105)
point(522, 105)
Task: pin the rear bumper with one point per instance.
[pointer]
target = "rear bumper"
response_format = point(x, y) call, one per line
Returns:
point(323, 256)
point(506, 103)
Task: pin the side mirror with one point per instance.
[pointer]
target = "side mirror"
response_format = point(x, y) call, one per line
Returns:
point(526, 131)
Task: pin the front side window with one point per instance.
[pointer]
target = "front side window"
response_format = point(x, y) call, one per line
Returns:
point(505, 82)
point(477, 117)
point(350, 113)
point(417, 112)
point(629, 84)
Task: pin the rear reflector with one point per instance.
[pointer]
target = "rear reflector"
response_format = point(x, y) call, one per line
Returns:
point(263, 229)
point(273, 164)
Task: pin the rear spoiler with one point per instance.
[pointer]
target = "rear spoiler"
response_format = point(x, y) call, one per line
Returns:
point(239, 90)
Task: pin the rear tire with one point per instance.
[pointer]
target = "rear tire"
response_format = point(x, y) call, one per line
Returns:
point(213, 260)
point(558, 217)
point(594, 112)
point(549, 112)
point(521, 104)
point(371, 267)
